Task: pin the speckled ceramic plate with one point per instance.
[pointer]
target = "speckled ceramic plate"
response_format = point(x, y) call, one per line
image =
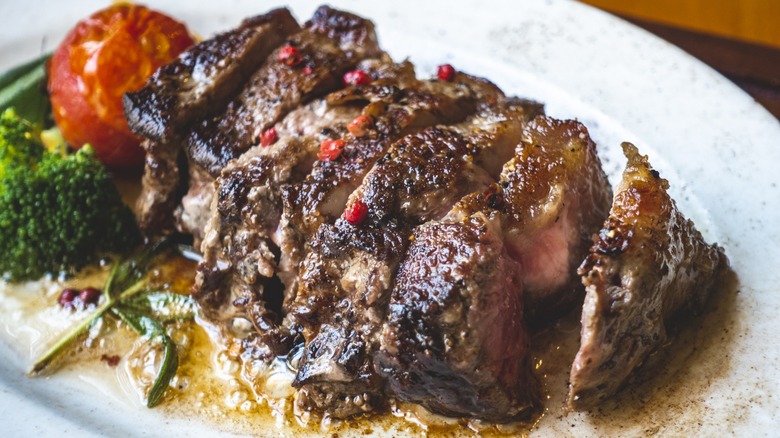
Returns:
point(713, 142)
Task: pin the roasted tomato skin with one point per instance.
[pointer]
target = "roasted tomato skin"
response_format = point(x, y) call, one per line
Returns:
point(105, 56)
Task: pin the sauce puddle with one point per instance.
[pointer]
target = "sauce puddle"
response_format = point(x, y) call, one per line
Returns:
point(225, 390)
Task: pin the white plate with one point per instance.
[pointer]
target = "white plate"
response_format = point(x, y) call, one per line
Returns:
point(713, 142)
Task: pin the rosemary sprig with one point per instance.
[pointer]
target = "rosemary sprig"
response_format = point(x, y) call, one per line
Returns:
point(145, 310)
point(155, 332)
point(24, 88)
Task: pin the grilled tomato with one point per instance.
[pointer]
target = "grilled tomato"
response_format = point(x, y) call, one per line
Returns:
point(105, 56)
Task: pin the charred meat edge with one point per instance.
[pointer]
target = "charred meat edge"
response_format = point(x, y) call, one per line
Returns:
point(205, 76)
point(455, 340)
point(395, 112)
point(331, 43)
point(239, 256)
point(202, 79)
point(348, 274)
point(647, 265)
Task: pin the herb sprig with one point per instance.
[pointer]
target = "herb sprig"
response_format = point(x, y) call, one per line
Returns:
point(24, 88)
point(144, 309)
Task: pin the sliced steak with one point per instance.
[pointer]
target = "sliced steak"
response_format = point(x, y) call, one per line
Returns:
point(455, 340)
point(395, 112)
point(239, 255)
point(558, 197)
point(201, 80)
point(348, 273)
point(330, 44)
point(647, 265)
point(205, 77)
point(237, 251)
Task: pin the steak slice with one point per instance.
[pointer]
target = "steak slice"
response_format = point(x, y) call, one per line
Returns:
point(647, 265)
point(455, 340)
point(395, 112)
point(201, 80)
point(558, 197)
point(204, 77)
point(239, 256)
point(330, 44)
point(343, 294)
point(247, 207)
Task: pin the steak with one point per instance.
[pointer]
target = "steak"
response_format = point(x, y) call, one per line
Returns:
point(647, 265)
point(349, 271)
point(395, 111)
point(199, 82)
point(560, 196)
point(205, 76)
point(415, 258)
point(223, 114)
point(239, 255)
point(455, 339)
point(330, 44)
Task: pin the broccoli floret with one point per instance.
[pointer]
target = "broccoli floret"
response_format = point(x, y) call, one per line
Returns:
point(19, 145)
point(59, 213)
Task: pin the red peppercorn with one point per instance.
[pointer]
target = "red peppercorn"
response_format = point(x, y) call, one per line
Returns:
point(356, 77)
point(66, 298)
point(290, 56)
point(89, 295)
point(360, 125)
point(330, 150)
point(307, 70)
point(356, 213)
point(446, 72)
point(268, 137)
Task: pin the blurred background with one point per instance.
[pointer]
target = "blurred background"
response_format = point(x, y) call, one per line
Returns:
point(739, 38)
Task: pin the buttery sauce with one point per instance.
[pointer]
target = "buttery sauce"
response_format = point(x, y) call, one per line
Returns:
point(224, 388)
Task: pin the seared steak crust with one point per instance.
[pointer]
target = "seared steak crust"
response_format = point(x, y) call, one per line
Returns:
point(201, 80)
point(455, 339)
point(271, 93)
point(205, 77)
point(647, 265)
point(276, 88)
point(239, 255)
point(240, 88)
point(349, 271)
point(396, 111)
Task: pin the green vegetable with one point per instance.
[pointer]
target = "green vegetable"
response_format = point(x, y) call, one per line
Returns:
point(24, 88)
point(153, 331)
point(19, 145)
point(144, 310)
point(58, 213)
point(165, 306)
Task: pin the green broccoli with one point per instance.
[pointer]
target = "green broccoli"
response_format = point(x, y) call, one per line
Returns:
point(19, 145)
point(58, 213)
